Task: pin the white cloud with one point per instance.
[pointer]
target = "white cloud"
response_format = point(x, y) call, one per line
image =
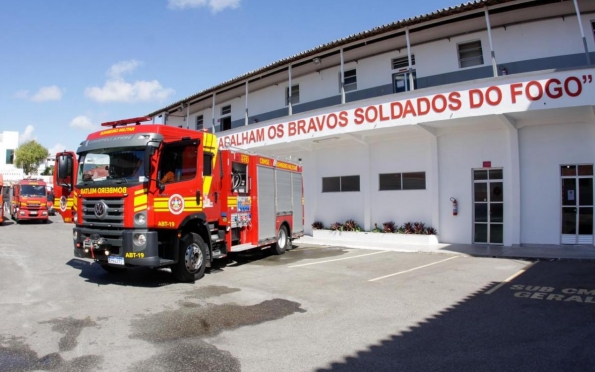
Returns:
point(81, 122)
point(52, 93)
point(215, 5)
point(58, 147)
point(118, 90)
point(120, 68)
point(27, 134)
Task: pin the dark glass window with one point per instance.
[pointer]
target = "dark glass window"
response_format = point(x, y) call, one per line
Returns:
point(350, 80)
point(207, 169)
point(178, 162)
point(470, 54)
point(199, 122)
point(340, 184)
point(402, 181)
point(9, 156)
point(414, 181)
point(403, 62)
point(295, 95)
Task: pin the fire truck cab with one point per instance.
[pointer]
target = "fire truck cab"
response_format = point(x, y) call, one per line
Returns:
point(28, 201)
point(161, 196)
point(63, 187)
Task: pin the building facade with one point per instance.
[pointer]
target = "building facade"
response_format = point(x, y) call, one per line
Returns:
point(490, 104)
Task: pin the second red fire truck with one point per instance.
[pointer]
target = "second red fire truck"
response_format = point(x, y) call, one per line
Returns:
point(28, 201)
point(161, 196)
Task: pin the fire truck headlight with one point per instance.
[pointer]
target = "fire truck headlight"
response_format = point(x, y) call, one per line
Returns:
point(74, 235)
point(140, 219)
point(139, 239)
point(22, 213)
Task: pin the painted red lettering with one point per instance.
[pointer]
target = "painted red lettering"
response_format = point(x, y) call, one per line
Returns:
point(260, 135)
point(455, 101)
point(475, 93)
point(515, 90)
point(359, 115)
point(394, 115)
point(529, 92)
point(556, 91)
point(382, 117)
point(332, 118)
point(409, 109)
point(374, 111)
point(280, 130)
point(320, 122)
point(312, 125)
point(272, 132)
point(435, 108)
point(423, 101)
point(489, 96)
point(301, 124)
point(343, 119)
point(292, 130)
point(579, 86)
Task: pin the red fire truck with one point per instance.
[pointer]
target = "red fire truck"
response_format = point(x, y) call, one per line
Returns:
point(63, 188)
point(161, 196)
point(28, 200)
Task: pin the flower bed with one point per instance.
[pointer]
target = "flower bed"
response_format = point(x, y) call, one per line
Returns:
point(408, 233)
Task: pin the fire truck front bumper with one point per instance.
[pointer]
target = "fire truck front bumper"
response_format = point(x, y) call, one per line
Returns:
point(117, 248)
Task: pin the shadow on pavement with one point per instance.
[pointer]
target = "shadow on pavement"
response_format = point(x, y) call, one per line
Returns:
point(136, 277)
point(542, 320)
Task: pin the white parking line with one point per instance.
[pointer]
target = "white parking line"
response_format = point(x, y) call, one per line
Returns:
point(410, 270)
point(338, 259)
point(511, 278)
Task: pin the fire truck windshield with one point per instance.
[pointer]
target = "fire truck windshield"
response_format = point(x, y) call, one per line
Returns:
point(114, 165)
point(33, 190)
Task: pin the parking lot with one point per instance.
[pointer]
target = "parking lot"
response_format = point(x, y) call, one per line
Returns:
point(312, 309)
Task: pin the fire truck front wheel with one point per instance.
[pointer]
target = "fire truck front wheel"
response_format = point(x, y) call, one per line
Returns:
point(192, 259)
point(282, 241)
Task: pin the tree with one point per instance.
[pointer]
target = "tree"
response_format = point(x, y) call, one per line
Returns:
point(48, 171)
point(29, 155)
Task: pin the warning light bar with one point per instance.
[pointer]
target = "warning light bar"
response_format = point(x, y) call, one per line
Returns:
point(124, 122)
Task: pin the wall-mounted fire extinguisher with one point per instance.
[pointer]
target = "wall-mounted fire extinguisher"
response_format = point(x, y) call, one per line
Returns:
point(455, 206)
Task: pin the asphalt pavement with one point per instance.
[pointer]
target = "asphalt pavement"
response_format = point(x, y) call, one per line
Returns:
point(314, 308)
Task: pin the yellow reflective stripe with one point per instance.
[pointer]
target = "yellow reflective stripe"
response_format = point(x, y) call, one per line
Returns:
point(143, 191)
point(140, 208)
point(138, 200)
point(161, 205)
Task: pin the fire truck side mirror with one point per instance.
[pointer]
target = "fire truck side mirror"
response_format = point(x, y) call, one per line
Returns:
point(64, 166)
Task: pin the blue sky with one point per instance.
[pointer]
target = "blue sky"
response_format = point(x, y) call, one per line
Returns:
point(69, 65)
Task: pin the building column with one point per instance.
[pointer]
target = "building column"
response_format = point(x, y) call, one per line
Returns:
point(512, 182)
point(433, 176)
point(580, 25)
point(365, 181)
point(311, 193)
point(410, 67)
point(213, 114)
point(494, 64)
point(246, 117)
point(289, 103)
point(342, 78)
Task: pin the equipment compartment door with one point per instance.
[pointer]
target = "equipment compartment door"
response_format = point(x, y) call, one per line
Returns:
point(267, 213)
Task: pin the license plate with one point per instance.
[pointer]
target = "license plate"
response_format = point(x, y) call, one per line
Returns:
point(115, 260)
point(33, 213)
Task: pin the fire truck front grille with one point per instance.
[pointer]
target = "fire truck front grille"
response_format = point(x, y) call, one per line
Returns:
point(113, 212)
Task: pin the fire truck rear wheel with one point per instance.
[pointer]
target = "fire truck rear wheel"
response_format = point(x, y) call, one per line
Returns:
point(282, 241)
point(192, 259)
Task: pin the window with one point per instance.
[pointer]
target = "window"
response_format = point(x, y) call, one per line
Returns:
point(207, 169)
point(593, 27)
point(350, 80)
point(295, 95)
point(178, 162)
point(199, 122)
point(402, 181)
point(9, 156)
point(403, 62)
point(340, 184)
point(226, 110)
point(470, 54)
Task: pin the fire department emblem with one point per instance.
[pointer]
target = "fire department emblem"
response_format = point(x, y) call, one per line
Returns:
point(63, 203)
point(176, 204)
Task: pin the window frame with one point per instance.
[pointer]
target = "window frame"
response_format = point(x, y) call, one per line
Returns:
point(295, 94)
point(340, 179)
point(401, 181)
point(226, 110)
point(405, 59)
point(163, 157)
point(480, 56)
point(200, 118)
point(348, 86)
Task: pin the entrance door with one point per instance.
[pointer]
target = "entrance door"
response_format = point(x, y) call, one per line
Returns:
point(401, 82)
point(577, 204)
point(488, 200)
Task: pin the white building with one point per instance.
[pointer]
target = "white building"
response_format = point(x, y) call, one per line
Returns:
point(491, 103)
point(9, 141)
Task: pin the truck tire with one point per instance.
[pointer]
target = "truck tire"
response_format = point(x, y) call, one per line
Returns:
point(282, 241)
point(191, 259)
